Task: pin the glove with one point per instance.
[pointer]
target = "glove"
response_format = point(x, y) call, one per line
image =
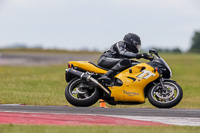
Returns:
point(143, 55)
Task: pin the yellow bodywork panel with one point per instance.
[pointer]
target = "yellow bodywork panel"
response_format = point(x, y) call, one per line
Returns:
point(85, 65)
point(134, 82)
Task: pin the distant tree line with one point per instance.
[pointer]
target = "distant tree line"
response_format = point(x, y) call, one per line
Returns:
point(175, 50)
point(195, 45)
point(22, 46)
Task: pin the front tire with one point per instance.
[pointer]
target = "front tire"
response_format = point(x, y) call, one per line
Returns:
point(81, 93)
point(161, 99)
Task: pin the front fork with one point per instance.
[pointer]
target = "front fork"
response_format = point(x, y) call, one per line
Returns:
point(164, 89)
point(162, 85)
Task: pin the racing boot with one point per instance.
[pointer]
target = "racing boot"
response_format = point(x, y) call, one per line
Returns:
point(106, 78)
point(121, 65)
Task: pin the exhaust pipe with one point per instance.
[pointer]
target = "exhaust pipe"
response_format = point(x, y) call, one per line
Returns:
point(86, 77)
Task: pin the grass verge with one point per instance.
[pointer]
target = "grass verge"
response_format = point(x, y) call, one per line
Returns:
point(45, 85)
point(96, 129)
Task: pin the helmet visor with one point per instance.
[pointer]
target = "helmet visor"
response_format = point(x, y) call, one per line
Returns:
point(138, 47)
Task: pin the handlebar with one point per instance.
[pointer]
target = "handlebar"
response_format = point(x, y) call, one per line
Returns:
point(150, 57)
point(154, 52)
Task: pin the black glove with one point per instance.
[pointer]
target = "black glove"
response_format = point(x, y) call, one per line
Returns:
point(143, 55)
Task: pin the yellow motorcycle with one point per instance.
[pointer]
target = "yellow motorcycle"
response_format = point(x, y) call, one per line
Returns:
point(131, 86)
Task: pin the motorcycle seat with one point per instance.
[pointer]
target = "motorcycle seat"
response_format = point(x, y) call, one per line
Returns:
point(99, 66)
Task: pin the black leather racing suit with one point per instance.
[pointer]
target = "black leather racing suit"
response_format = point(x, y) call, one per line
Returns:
point(117, 57)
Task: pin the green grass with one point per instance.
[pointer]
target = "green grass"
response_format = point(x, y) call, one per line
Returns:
point(45, 85)
point(96, 129)
point(32, 85)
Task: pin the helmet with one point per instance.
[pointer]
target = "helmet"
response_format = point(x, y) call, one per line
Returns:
point(133, 42)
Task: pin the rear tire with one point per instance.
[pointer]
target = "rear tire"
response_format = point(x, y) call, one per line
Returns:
point(78, 95)
point(169, 99)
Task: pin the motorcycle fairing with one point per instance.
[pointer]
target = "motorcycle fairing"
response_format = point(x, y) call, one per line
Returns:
point(134, 82)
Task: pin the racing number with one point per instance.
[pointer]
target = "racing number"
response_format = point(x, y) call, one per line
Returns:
point(145, 74)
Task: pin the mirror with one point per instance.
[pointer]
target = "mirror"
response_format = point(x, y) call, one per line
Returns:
point(153, 51)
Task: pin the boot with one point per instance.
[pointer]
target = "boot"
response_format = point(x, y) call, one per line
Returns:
point(106, 78)
point(121, 65)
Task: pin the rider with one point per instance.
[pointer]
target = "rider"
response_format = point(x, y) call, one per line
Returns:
point(117, 57)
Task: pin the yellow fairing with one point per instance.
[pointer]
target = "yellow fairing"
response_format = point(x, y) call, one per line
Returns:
point(85, 65)
point(134, 83)
point(134, 80)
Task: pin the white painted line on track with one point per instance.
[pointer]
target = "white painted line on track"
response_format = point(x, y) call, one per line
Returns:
point(179, 121)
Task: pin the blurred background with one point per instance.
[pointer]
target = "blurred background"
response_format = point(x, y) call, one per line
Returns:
point(96, 25)
point(39, 37)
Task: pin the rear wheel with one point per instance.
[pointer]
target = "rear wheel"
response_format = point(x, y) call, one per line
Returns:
point(165, 99)
point(81, 93)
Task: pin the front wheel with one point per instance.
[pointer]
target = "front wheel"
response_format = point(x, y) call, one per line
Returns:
point(165, 99)
point(81, 93)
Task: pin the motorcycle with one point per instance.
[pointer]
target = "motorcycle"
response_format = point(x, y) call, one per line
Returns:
point(131, 86)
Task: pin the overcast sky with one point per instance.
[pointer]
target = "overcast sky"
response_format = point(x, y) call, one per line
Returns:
point(77, 24)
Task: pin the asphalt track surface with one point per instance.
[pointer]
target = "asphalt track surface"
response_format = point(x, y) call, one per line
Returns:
point(101, 116)
point(104, 111)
